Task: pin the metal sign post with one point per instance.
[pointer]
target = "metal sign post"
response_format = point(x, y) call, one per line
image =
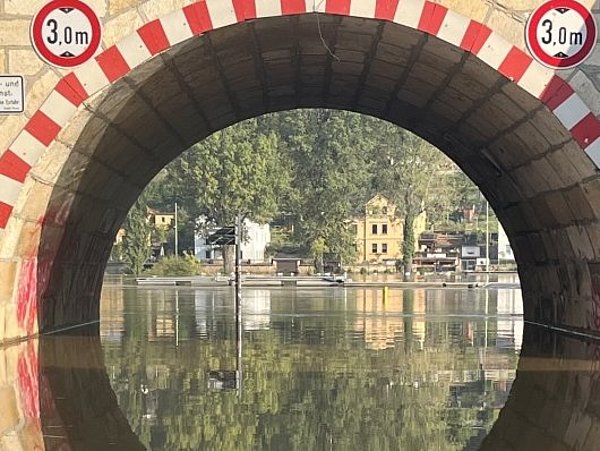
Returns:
point(238, 301)
point(227, 236)
point(238, 266)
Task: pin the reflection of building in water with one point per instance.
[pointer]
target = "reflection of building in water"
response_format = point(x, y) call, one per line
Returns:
point(162, 314)
point(418, 323)
point(256, 309)
point(384, 317)
point(206, 303)
point(111, 312)
point(510, 328)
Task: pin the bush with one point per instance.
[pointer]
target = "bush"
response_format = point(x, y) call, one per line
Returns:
point(176, 266)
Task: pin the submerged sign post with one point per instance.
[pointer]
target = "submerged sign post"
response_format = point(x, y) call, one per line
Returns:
point(12, 94)
point(561, 33)
point(66, 33)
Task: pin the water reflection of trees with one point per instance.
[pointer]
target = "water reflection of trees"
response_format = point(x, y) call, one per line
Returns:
point(309, 383)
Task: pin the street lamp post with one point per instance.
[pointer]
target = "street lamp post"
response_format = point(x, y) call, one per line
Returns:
point(487, 237)
point(176, 231)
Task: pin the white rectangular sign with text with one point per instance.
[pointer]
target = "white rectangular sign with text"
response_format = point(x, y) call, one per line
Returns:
point(12, 94)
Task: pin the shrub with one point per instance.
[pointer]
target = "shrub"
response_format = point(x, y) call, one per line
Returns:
point(187, 265)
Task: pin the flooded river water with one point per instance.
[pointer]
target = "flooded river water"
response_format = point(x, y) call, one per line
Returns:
point(305, 369)
point(313, 369)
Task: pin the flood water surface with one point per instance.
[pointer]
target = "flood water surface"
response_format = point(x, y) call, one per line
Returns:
point(312, 369)
point(325, 369)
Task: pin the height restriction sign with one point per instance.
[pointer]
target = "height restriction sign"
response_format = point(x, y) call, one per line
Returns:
point(66, 33)
point(561, 33)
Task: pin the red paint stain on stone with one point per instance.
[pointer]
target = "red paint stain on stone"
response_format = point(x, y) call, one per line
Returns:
point(36, 271)
point(28, 372)
point(27, 300)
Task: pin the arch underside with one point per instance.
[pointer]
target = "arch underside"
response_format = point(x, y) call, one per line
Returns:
point(534, 173)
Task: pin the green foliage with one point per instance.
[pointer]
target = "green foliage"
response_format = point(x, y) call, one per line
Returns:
point(410, 172)
point(316, 168)
point(136, 248)
point(329, 153)
point(279, 239)
point(238, 170)
point(188, 265)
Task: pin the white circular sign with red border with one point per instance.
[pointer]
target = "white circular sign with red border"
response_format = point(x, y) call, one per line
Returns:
point(561, 33)
point(66, 33)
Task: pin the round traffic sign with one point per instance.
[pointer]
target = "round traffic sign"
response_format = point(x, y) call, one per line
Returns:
point(66, 33)
point(561, 33)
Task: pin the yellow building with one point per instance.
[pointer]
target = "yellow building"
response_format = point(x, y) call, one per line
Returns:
point(379, 233)
point(164, 221)
point(161, 220)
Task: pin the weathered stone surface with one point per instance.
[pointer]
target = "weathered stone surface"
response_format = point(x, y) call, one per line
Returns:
point(116, 6)
point(24, 62)
point(157, 8)
point(10, 128)
point(14, 32)
point(121, 26)
point(8, 273)
point(509, 28)
point(12, 330)
point(31, 7)
point(10, 413)
point(475, 9)
point(50, 163)
point(39, 90)
point(587, 90)
point(2, 333)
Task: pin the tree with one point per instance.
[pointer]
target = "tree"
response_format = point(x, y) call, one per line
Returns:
point(316, 167)
point(406, 171)
point(330, 156)
point(237, 171)
point(136, 249)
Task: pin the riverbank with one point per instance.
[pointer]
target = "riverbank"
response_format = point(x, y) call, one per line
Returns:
point(316, 282)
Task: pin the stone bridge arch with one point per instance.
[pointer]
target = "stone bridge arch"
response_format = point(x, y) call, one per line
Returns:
point(170, 73)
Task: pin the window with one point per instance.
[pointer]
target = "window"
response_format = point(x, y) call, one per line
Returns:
point(384, 248)
point(374, 229)
point(384, 229)
point(374, 248)
point(384, 210)
point(208, 255)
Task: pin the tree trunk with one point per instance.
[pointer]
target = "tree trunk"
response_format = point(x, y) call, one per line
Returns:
point(408, 245)
point(229, 259)
point(319, 264)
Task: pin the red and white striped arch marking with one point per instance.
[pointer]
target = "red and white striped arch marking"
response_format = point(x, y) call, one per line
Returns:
point(204, 16)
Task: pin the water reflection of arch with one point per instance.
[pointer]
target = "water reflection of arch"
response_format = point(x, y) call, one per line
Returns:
point(554, 403)
point(65, 400)
point(80, 405)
